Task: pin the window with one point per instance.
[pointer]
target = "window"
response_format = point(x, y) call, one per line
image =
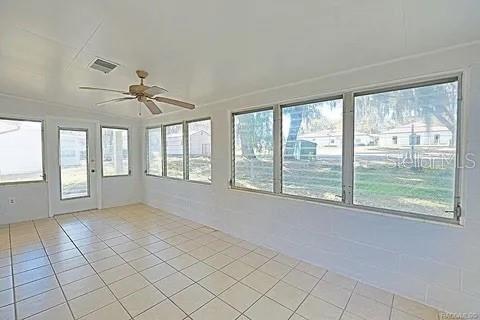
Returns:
point(253, 150)
point(312, 145)
point(411, 177)
point(21, 145)
point(74, 177)
point(199, 150)
point(154, 152)
point(115, 152)
point(174, 150)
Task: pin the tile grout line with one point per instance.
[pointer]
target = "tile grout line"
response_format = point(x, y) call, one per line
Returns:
point(55, 274)
point(308, 294)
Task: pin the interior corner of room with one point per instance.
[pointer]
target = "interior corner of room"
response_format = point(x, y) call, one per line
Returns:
point(283, 139)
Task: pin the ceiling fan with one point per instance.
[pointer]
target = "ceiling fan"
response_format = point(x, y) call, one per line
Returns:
point(145, 94)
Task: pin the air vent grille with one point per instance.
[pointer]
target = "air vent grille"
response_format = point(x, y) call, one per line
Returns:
point(103, 65)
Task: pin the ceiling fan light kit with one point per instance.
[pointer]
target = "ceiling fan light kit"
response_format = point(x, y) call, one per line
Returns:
point(144, 94)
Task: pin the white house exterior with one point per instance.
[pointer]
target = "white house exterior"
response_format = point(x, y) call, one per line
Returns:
point(422, 135)
point(331, 138)
point(200, 143)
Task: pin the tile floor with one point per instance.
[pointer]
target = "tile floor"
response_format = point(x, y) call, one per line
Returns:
point(136, 262)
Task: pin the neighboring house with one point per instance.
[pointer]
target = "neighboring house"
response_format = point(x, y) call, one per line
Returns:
point(417, 133)
point(200, 143)
point(332, 138)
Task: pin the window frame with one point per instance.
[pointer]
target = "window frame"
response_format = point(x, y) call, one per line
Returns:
point(128, 150)
point(187, 151)
point(147, 150)
point(275, 174)
point(185, 142)
point(348, 97)
point(43, 148)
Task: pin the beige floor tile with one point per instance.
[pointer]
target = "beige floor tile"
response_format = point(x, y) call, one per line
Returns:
point(117, 273)
point(75, 274)
point(287, 295)
point(64, 255)
point(254, 259)
point(332, 293)
point(128, 285)
point(339, 280)
point(90, 302)
point(202, 253)
point(367, 308)
point(400, 315)
point(156, 247)
point(6, 283)
point(39, 303)
point(301, 280)
point(158, 272)
point(143, 299)
point(183, 261)
point(198, 271)
point(259, 281)
point(6, 297)
point(266, 308)
point(30, 264)
point(162, 311)
point(60, 312)
point(192, 298)
point(36, 287)
point(286, 260)
point(99, 255)
point(235, 252)
point(414, 308)
point(218, 261)
point(145, 262)
point(124, 247)
point(108, 263)
point(169, 253)
point(5, 271)
point(113, 311)
point(215, 310)
point(217, 282)
point(134, 254)
point(350, 316)
point(69, 264)
point(266, 252)
point(32, 275)
point(172, 284)
point(82, 286)
point(237, 270)
point(314, 308)
point(240, 296)
point(374, 293)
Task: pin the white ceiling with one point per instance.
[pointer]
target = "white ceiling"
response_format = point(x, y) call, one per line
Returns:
point(205, 51)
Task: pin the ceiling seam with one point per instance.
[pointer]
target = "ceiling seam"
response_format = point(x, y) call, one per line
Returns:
point(84, 46)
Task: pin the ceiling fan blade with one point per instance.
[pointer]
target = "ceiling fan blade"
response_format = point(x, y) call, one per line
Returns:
point(176, 102)
point(103, 89)
point(115, 100)
point(154, 90)
point(154, 109)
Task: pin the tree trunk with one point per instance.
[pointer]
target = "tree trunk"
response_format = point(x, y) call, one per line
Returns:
point(295, 124)
point(246, 144)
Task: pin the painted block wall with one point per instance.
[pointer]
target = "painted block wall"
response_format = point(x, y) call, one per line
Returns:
point(437, 264)
point(32, 199)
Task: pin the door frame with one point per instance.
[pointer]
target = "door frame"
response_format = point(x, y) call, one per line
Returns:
point(52, 131)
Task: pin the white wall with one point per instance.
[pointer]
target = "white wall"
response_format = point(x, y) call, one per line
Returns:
point(434, 263)
point(32, 199)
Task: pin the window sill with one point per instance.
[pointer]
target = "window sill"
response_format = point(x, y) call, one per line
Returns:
point(21, 182)
point(179, 179)
point(363, 209)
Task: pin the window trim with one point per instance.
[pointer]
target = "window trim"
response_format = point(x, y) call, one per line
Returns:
point(43, 148)
point(128, 150)
point(232, 151)
point(147, 150)
point(59, 129)
point(187, 154)
point(348, 148)
point(164, 136)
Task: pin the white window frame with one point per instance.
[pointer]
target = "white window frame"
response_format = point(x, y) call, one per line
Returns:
point(43, 146)
point(128, 151)
point(348, 148)
point(147, 150)
point(185, 142)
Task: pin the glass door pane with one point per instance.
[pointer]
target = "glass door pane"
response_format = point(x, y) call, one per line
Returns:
point(73, 153)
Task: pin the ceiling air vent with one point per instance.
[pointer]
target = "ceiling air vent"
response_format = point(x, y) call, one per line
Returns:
point(103, 65)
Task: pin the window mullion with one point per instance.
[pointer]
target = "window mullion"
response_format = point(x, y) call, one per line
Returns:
point(277, 149)
point(185, 150)
point(348, 144)
point(164, 151)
